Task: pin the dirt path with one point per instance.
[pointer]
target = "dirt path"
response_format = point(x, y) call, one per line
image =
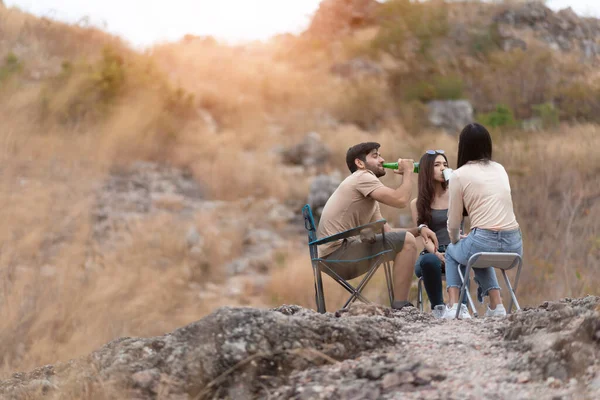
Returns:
point(477, 364)
point(509, 358)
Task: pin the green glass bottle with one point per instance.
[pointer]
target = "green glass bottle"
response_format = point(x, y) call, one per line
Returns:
point(394, 165)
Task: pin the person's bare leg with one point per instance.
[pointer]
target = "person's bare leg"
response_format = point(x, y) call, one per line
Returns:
point(453, 294)
point(404, 265)
point(494, 294)
point(495, 298)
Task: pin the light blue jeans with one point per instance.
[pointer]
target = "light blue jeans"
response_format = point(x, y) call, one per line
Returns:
point(480, 240)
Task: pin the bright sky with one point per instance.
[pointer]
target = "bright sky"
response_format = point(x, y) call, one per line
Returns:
point(144, 22)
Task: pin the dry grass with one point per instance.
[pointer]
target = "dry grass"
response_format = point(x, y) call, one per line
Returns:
point(61, 299)
point(555, 181)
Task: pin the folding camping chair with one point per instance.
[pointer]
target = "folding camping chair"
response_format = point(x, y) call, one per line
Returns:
point(320, 264)
point(502, 261)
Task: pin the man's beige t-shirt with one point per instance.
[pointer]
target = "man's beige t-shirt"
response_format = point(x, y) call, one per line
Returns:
point(348, 207)
point(484, 190)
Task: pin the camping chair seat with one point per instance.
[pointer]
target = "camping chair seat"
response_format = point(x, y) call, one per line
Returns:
point(502, 261)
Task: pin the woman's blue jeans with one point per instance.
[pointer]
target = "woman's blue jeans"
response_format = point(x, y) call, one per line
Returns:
point(480, 240)
point(430, 268)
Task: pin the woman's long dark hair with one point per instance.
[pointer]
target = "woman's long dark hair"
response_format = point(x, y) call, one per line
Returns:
point(426, 184)
point(474, 144)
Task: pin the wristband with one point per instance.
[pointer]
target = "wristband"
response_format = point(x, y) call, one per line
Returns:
point(421, 227)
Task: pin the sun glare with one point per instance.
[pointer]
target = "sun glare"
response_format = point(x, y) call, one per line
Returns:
point(159, 21)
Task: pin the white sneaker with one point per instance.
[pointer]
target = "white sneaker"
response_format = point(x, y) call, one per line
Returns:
point(451, 312)
point(499, 311)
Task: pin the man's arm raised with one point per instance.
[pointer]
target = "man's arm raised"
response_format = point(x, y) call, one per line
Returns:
point(400, 197)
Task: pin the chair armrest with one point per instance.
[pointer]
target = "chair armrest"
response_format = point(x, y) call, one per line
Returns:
point(374, 226)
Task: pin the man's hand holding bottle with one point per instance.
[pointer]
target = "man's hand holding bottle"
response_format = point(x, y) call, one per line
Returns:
point(405, 165)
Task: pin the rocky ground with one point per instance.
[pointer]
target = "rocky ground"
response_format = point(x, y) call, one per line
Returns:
point(367, 352)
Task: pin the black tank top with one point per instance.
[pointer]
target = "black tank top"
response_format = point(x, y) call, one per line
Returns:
point(439, 224)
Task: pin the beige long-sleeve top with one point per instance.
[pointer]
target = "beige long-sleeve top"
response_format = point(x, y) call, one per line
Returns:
point(484, 190)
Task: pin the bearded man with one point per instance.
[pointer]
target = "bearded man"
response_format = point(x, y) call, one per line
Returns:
point(356, 202)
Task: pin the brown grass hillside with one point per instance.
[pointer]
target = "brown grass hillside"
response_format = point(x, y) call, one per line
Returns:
point(76, 104)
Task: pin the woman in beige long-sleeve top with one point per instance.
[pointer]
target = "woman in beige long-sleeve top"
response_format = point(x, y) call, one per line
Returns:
point(480, 187)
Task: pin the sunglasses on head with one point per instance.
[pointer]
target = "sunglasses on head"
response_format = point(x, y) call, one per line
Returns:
point(435, 152)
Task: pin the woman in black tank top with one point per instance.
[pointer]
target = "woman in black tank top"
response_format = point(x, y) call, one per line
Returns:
point(430, 208)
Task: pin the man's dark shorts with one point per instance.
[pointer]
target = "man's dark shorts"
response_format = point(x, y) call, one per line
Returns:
point(355, 249)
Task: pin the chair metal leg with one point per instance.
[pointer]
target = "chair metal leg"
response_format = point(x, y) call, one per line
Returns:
point(469, 298)
point(512, 293)
point(389, 277)
point(514, 289)
point(319, 293)
point(357, 292)
point(420, 294)
point(463, 290)
point(351, 289)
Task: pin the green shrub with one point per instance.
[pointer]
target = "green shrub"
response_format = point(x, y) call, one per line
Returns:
point(421, 91)
point(180, 103)
point(579, 101)
point(485, 41)
point(109, 76)
point(440, 88)
point(448, 87)
point(11, 66)
point(547, 113)
point(401, 19)
point(86, 90)
point(501, 117)
point(516, 78)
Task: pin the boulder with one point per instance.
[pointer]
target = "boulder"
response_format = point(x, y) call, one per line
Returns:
point(232, 353)
point(558, 339)
point(321, 188)
point(562, 31)
point(310, 152)
point(450, 115)
point(140, 190)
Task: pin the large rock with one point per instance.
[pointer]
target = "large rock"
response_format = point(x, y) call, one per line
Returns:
point(529, 13)
point(321, 189)
point(140, 190)
point(559, 340)
point(260, 246)
point(233, 353)
point(311, 152)
point(564, 30)
point(450, 115)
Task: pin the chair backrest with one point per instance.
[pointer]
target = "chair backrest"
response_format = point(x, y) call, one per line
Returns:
point(503, 261)
point(309, 223)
